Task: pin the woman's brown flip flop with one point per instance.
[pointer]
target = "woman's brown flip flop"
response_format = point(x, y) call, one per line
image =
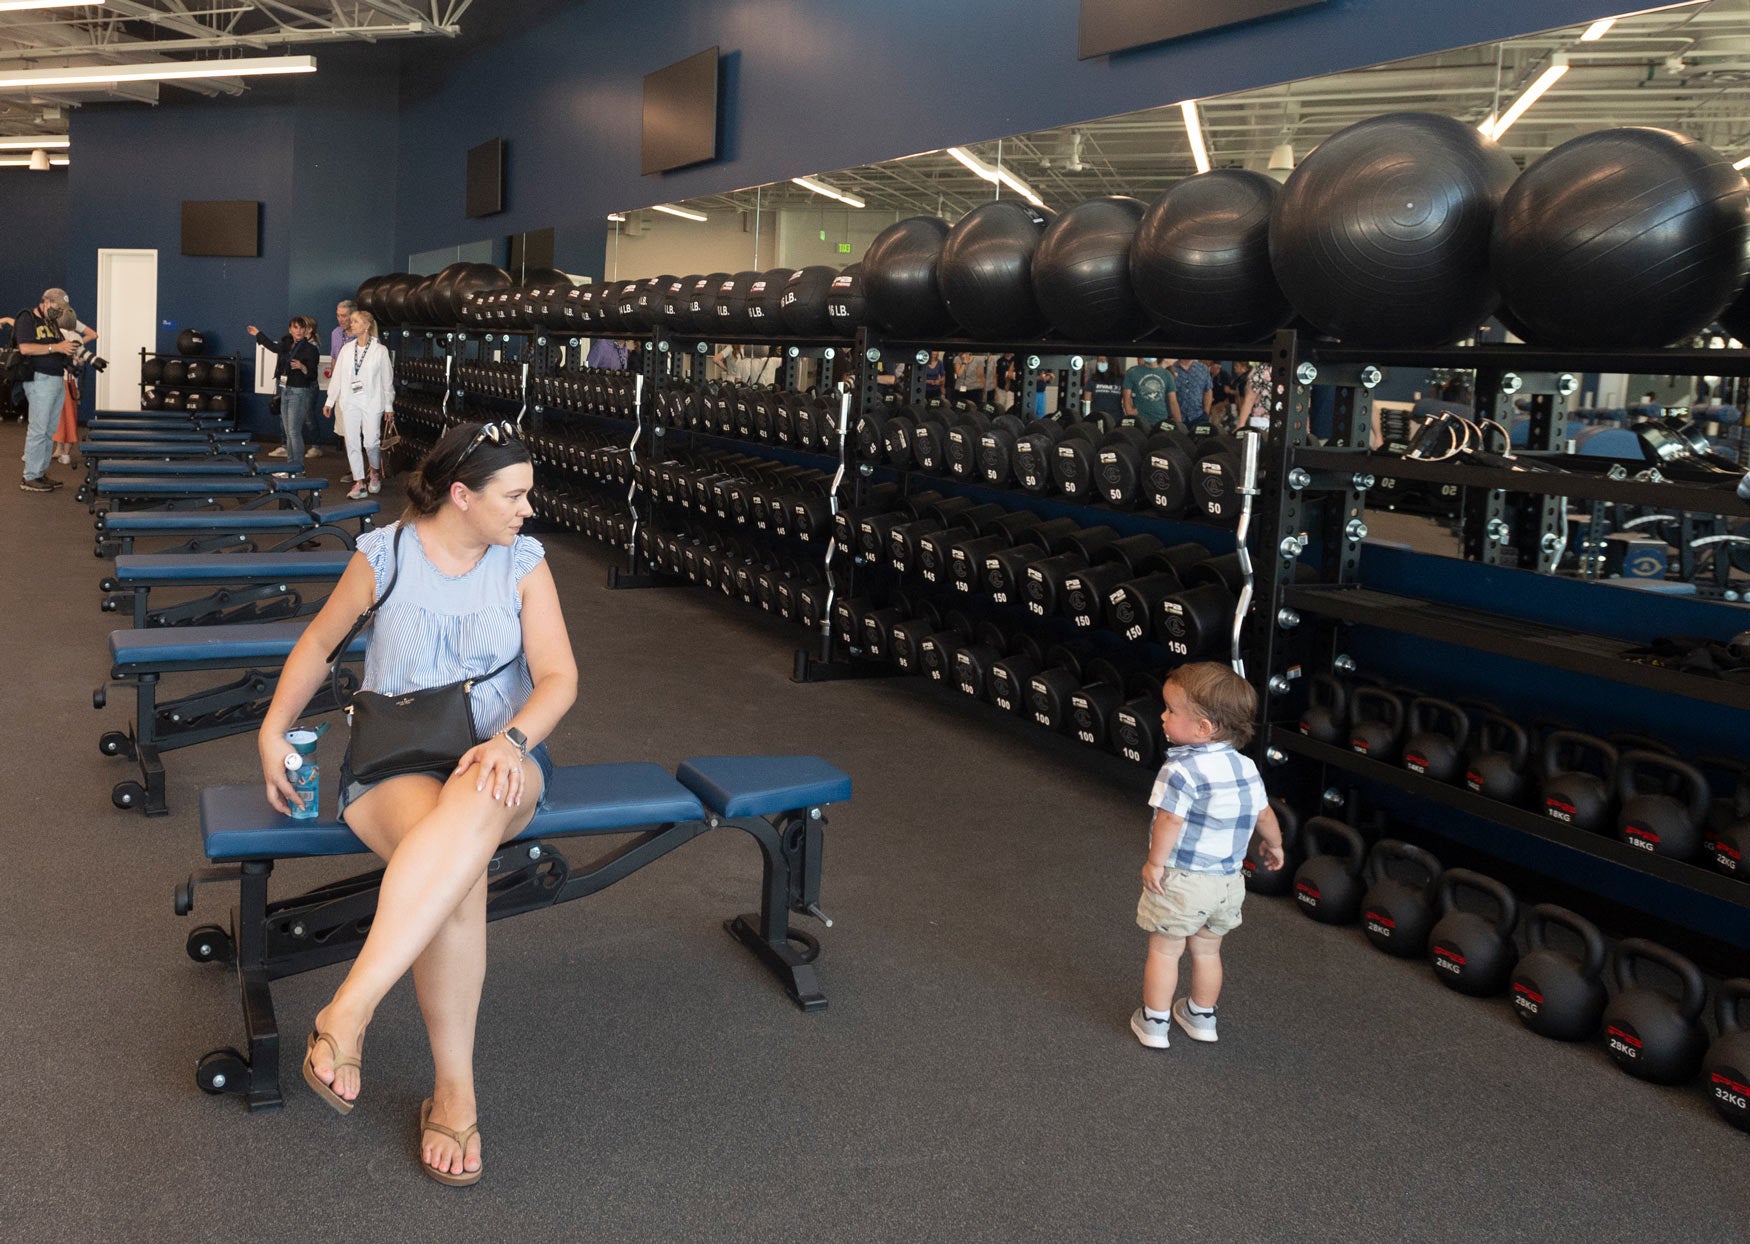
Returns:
point(461, 1138)
point(324, 1091)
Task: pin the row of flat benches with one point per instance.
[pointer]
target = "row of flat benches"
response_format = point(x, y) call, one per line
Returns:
point(239, 611)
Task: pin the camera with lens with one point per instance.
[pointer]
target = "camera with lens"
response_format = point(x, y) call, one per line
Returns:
point(85, 356)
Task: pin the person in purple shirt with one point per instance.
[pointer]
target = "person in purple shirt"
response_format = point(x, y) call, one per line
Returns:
point(341, 334)
point(604, 352)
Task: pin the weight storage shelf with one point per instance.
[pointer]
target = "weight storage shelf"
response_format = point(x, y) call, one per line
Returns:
point(1689, 876)
point(1574, 651)
point(1574, 485)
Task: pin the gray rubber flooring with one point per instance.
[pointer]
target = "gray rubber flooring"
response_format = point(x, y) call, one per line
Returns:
point(642, 1078)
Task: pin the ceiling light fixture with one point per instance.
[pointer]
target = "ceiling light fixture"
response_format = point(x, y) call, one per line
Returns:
point(996, 176)
point(160, 71)
point(1487, 128)
point(20, 6)
point(1744, 163)
point(808, 183)
point(50, 142)
point(617, 218)
point(1194, 131)
point(682, 212)
point(1597, 30)
point(30, 161)
point(1548, 78)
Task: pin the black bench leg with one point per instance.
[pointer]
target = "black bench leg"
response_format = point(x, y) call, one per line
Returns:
point(790, 854)
point(226, 1071)
point(793, 967)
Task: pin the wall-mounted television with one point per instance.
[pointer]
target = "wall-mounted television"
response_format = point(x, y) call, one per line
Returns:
point(226, 227)
point(486, 178)
point(680, 113)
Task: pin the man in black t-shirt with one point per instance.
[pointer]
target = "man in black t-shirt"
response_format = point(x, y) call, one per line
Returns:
point(37, 334)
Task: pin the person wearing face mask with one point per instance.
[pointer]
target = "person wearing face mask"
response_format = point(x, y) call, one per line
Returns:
point(1103, 383)
point(1148, 394)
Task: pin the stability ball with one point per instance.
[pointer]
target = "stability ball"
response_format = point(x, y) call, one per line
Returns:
point(1201, 260)
point(899, 277)
point(1630, 237)
point(802, 305)
point(1381, 236)
point(1081, 271)
point(986, 270)
point(846, 308)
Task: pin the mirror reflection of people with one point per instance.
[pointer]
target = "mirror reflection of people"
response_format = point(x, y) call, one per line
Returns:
point(1148, 394)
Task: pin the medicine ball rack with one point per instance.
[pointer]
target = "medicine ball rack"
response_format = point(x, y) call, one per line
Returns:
point(233, 389)
point(1316, 518)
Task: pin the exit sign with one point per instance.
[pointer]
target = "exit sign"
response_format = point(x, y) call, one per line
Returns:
point(844, 248)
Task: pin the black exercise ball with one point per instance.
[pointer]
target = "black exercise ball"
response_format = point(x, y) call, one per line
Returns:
point(899, 277)
point(986, 270)
point(802, 305)
point(397, 299)
point(1201, 260)
point(482, 278)
point(762, 303)
point(175, 372)
point(1631, 237)
point(700, 315)
point(152, 371)
point(365, 297)
point(191, 341)
point(196, 373)
point(1381, 236)
point(1081, 271)
point(732, 296)
point(846, 308)
point(219, 403)
point(221, 374)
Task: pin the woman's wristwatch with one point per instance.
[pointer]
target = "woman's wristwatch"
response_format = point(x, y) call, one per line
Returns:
point(518, 740)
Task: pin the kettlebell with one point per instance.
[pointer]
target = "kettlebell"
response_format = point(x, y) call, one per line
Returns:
point(1275, 881)
point(1471, 953)
point(1327, 707)
point(1664, 804)
point(1497, 760)
point(1430, 750)
point(1396, 913)
point(1375, 721)
point(1572, 794)
point(1730, 840)
point(1327, 885)
point(1649, 1033)
point(1554, 994)
point(1728, 1059)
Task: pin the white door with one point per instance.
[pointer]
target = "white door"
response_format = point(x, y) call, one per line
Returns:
point(127, 322)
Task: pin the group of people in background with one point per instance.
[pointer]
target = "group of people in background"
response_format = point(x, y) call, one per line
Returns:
point(361, 392)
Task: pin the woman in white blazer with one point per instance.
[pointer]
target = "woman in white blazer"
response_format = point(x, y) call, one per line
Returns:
point(361, 392)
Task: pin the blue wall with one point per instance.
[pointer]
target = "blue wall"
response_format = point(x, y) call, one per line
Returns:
point(816, 85)
point(34, 258)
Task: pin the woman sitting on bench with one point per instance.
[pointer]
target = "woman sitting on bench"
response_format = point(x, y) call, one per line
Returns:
point(469, 594)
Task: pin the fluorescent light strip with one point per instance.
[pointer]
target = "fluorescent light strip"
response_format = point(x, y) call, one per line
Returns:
point(1597, 30)
point(1487, 128)
point(59, 161)
point(1194, 131)
point(1744, 163)
point(996, 176)
point(682, 212)
point(44, 142)
point(20, 6)
point(1548, 78)
point(161, 71)
point(808, 183)
point(617, 218)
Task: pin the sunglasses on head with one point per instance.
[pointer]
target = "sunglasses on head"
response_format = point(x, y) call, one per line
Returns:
point(503, 432)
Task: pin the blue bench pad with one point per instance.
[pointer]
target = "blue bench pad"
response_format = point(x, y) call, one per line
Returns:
point(240, 521)
point(113, 467)
point(761, 785)
point(161, 568)
point(237, 823)
point(170, 486)
point(239, 644)
point(165, 449)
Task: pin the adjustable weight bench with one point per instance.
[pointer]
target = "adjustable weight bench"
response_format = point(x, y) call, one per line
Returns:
point(92, 455)
point(196, 492)
point(206, 532)
point(780, 801)
point(139, 658)
point(170, 421)
point(241, 587)
point(174, 466)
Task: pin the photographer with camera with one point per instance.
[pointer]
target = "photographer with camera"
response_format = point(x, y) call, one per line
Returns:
point(37, 333)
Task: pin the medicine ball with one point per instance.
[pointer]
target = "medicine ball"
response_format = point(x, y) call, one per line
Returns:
point(986, 270)
point(846, 308)
point(1381, 236)
point(647, 302)
point(175, 372)
point(191, 341)
point(732, 296)
point(219, 403)
point(700, 315)
point(1200, 263)
point(802, 304)
point(196, 374)
point(763, 297)
point(899, 277)
point(152, 371)
point(1081, 271)
point(1631, 237)
point(221, 374)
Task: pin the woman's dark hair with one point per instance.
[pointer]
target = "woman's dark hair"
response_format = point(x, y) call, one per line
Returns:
point(450, 462)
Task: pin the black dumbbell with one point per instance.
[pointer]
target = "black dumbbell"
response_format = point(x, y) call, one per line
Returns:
point(966, 557)
point(962, 449)
point(1137, 733)
point(934, 561)
point(1093, 707)
point(1198, 619)
point(1049, 690)
point(996, 449)
point(936, 652)
point(1031, 463)
point(1086, 591)
point(929, 438)
point(1073, 461)
point(1118, 465)
point(992, 641)
point(1005, 571)
point(1216, 491)
point(903, 538)
point(1171, 471)
point(1046, 579)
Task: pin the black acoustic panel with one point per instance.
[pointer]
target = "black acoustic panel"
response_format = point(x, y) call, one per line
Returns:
point(226, 227)
point(1118, 25)
point(533, 249)
point(485, 191)
point(680, 113)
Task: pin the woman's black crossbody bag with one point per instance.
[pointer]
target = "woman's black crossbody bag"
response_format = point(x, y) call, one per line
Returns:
point(416, 732)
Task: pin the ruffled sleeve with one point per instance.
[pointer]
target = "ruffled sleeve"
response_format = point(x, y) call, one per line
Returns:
point(525, 555)
point(376, 546)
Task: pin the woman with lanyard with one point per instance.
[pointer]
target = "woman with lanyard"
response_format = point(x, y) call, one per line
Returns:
point(362, 392)
point(460, 594)
point(294, 375)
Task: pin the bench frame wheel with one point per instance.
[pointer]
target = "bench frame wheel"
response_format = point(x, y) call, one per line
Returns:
point(128, 794)
point(211, 944)
point(223, 1071)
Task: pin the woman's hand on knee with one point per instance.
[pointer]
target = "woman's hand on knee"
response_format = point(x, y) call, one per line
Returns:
point(498, 767)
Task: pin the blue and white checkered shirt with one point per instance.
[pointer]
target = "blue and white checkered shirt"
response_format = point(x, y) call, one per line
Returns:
point(1218, 794)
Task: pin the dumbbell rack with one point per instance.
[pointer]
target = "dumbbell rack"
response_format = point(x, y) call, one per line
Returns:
point(235, 389)
point(1316, 519)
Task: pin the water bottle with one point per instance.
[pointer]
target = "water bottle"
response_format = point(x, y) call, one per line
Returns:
point(304, 774)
